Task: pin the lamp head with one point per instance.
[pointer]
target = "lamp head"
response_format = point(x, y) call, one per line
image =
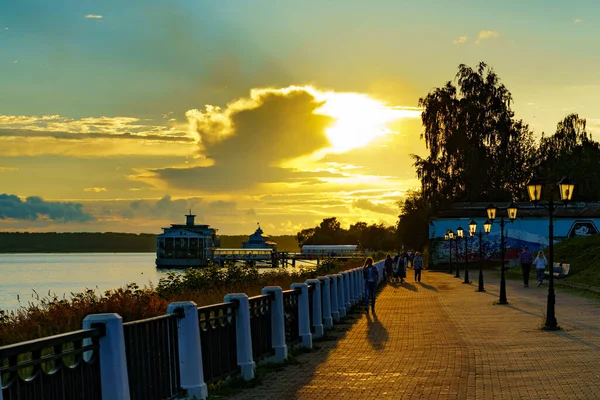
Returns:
point(512, 211)
point(487, 226)
point(534, 189)
point(566, 185)
point(472, 228)
point(460, 232)
point(491, 212)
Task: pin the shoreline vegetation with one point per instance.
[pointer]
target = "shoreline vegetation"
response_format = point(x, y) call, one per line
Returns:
point(108, 242)
point(52, 315)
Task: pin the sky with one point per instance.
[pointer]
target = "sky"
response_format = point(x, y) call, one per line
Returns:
point(122, 116)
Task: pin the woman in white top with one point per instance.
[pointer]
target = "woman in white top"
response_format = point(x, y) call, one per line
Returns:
point(540, 263)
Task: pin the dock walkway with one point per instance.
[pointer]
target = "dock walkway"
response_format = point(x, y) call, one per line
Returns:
point(439, 339)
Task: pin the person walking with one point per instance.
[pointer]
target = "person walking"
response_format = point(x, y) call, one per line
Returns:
point(417, 264)
point(526, 260)
point(540, 263)
point(371, 277)
point(401, 265)
point(389, 268)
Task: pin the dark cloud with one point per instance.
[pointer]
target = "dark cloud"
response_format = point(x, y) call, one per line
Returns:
point(281, 127)
point(174, 210)
point(34, 208)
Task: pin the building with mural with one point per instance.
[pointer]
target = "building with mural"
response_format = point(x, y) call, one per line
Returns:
point(529, 229)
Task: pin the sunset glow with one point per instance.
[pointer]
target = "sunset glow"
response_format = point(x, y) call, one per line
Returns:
point(359, 119)
point(128, 116)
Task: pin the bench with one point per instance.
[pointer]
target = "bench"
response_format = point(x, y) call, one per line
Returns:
point(560, 270)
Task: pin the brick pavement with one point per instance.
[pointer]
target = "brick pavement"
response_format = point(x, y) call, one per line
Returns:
point(442, 340)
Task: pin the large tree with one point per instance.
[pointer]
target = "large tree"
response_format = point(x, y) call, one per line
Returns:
point(477, 149)
point(571, 152)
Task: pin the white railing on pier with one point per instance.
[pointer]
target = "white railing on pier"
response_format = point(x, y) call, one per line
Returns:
point(318, 305)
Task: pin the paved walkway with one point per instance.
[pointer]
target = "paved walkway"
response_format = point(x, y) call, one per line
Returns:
point(440, 339)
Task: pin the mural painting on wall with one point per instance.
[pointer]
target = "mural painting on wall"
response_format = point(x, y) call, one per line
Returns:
point(582, 228)
point(516, 236)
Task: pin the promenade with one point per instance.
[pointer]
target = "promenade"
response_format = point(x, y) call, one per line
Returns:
point(440, 339)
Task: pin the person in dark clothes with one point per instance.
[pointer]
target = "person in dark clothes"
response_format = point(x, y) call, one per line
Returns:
point(371, 276)
point(526, 261)
point(389, 268)
point(418, 266)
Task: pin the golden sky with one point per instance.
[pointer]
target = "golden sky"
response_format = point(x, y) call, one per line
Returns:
point(117, 118)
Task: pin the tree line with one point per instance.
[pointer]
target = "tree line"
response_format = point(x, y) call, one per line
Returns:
point(330, 232)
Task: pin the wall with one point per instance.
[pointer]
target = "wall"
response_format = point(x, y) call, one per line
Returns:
point(531, 232)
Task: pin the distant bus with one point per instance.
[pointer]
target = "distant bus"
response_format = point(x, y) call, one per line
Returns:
point(330, 250)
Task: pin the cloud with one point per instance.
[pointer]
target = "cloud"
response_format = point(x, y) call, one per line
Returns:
point(35, 208)
point(95, 189)
point(270, 137)
point(381, 208)
point(33, 135)
point(8, 169)
point(93, 16)
point(577, 21)
point(461, 40)
point(249, 140)
point(484, 35)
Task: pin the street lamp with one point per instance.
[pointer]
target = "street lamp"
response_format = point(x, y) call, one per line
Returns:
point(534, 189)
point(452, 236)
point(487, 226)
point(447, 236)
point(460, 234)
point(512, 215)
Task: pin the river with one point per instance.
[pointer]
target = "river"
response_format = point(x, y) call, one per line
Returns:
point(22, 274)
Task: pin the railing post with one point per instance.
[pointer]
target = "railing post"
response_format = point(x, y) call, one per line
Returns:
point(348, 276)
point(327, 319)
point(317, 321)
point(1, 396)
point(114, 380)
point(346, 291)
point(303, 315)
point(357, 285)
point(340, 294)
point(335, 312)
point(243, 335)
point(277, 322)
point(191, 370)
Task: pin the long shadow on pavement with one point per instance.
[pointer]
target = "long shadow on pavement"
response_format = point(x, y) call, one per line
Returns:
point(428, 287)
point(377, 335)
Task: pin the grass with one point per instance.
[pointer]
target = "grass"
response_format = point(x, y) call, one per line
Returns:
point(583, 253)
point(52, 315)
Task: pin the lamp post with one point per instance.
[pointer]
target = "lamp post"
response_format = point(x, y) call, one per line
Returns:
point(534, 189)
point(487, 226)
point(447, 237)
point(512, 215)
point(461, 233)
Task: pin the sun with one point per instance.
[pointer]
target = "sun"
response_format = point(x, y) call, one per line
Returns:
point(359, 119)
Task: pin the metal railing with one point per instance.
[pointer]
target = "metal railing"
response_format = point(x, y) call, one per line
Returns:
point(290, 314)
point(260, 326)
point(152, 351)
point(65, 366)
point(218, 341)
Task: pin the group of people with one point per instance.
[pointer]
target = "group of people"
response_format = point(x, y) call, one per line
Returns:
point(527, 261)
point(394, 269)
